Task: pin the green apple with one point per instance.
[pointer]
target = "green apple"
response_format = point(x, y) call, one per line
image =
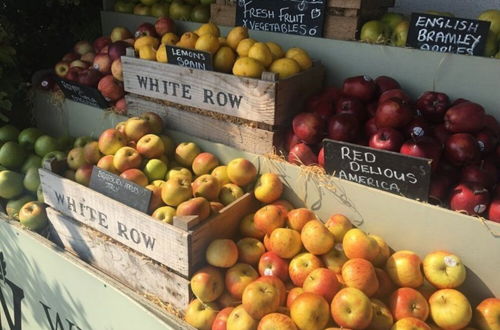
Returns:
point(160, 9)
point(180, 11)
point(200, 14)
point(12, 155)
point(374, 32)
point(45, 144)
point(148, 2)
point(400, 34)
point(82, 141)
point(155, 169)
point(124, 6)
point(14, 205)
point(31, 180)
point(39, 194)
point(31, 161)
point(492, 16)
point(392, 20)
point(141, 9)
point(28, 136)
point(11, 184)
point(8, 133)
point(491, 47)
point(65, 142)
point(33, 216)
point(53, 155)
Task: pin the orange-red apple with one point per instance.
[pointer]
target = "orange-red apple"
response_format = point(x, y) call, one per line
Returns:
point(322, 281)
point(262, 297)
point(206, 186)
point(310, 311)
point(408, 302)
point(285, 242)
point(268, 218)
point(220, 321)
point(404, 269)
point(292, 295)
point(198, 206)
point(410, 323)
point(270, 264)
point(487, 314)
point(384, 251)
point(227, 300)
point(250, 250)
point(276, 321)
point(110, 141)
point(357, 244)
point(360, 274)
point(338, 225)
point(248, 229)
point(238, 277)
point(106, 163)
point(136, 176)
point(83, 174)
point(335, 258)
point(297, 218)
point(301, 266)
point(150, 146)
point(385, 285)
point(204, 163)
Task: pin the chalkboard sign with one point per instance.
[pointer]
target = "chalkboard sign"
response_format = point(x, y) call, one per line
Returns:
point(82, 94)
point(302, 17)
point(448, 34)
point(396, 173)
point(120, 189)
point(190, 58)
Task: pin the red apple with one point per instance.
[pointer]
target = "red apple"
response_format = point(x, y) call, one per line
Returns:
point(100, 43)
point(331, 94)
point(145, 29)
point(424, 147)
point(433, 106)
point(487, 140)
point(351, 105)
point(468, 197)
point(439, 189)
point(441, 133)
point(313, 101)
point(291, 140)
point(361, 87)
point(385, 83)
point(321, 157)
point(370, 127)
point(117, 49)
point(102, 62)
point(417, 127)
point(395, 93)
point(110, 88)
point(89, 77)
point(324, 109)
point(301, 153)
point(270, 264)
point(494, 210)
point(343, 127)
point(461, 149)
point(458, 101)
point(164, 25)
point(371, 108)
point(491, 123)
point(73, 73)
point(393, 113)
point(308, 127)
point(70, 57)
point(386, 139)
point(465, 117)
point(484, 174)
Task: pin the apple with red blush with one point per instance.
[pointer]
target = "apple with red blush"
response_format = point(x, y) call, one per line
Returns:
point(494, 210)
point(469, 197)
point(386, 138)
point(300, 154)
point(100, 43)
point(290, 140)
point(465, 117)
point(360, 87)
point(145, 29)
point(308, 127)
point(343, 127)
point(433, 106)
point(424, 147)
point(351, 105)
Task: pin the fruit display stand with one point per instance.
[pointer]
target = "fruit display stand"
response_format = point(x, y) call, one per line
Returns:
point(342, 20)
point(406, 224)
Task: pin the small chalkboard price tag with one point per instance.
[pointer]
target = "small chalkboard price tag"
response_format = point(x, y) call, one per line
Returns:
point(190, 58)
point(301, 17)
point(396, 173)
point(120, 189)
point(447, 34)
point(82, 94)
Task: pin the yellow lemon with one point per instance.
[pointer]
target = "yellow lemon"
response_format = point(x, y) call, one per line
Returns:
point(224, 59)
point(208, 28)
point(147, 52)
point(161, 54)
point(275, 49)
point(188, 40)
point(261, 53)
point(146, 41)
point(236, 35)
point(244, 46)
point(301, 56)
point(248, 67)
point(285, 67)
point(208, 43)
point(170, 39)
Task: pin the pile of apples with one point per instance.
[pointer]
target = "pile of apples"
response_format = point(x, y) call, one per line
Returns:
point(392, 28)
point(183, 179)
point(236, 53)
point(289, 270)
point(459, 137)
point(193, 10)
point(22, 153)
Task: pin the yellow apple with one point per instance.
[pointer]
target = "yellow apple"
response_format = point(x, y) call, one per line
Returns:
point(207, 284)
point(238, 278)
point(250, 250)
point(180, 172)
point(175, 191)
point(262, 297)
point(239, 319)
point(268, 188)
point(404, 269)
point(206, 186)
point(450, 309)
point(276, 321)
point(292, 295)
point(229, 193)
point(111, 140)
point(317, 239)
point(220, 172)
point(357, 244)
point(222, 253)
point(204, 163)
point(125, 158)
point(338, 225)
point(335, 258)
point(384, 251)
point(352, 309)
point(297, 218)
point(301, 266)
point(201, 315)
point(136, 127)
point(241, 171)
point(248, 229)
point(186, 152)
point(410, 323)
point(285, 242)
point(382, 317)
point(310, 311)
point(165, 214)
point(444, 270)
point(150, 146)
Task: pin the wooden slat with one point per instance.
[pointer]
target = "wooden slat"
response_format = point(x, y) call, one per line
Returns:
point(256, 97)
point(124, 224)
point(128, 267)
point(222, 14)
point(340, 27)
point(243, 137)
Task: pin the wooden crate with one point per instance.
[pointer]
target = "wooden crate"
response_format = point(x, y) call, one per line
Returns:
point(343, 19)
point(242, 136)
point(266, 102)
point(132, 269)
point(180, 246)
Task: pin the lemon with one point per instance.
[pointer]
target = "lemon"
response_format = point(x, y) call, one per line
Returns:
point(146, 41)
point(147, 52)
point(248, 67)
point(208, 43)
point(244, 46)
point(275, 49)
point(188, 40)
point(285, 67)
point(224, 59)
point(161, 54)
point(301, 56)
point(170, 39)
point(208, 28)
point(236, 35)
point(261, 53)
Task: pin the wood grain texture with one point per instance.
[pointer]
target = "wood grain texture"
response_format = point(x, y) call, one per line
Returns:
point(128, 267)
point(243, 137)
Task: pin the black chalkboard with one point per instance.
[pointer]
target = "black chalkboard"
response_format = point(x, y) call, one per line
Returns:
point(396, 173)
point(82, 94)
point(120, 189)
point(302, 17)
point(447, 34)
point(190, 58)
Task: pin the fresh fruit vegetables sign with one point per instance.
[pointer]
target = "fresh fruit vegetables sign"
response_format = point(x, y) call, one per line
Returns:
point(301, 17)
point(448, 34)
point(399, 174)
